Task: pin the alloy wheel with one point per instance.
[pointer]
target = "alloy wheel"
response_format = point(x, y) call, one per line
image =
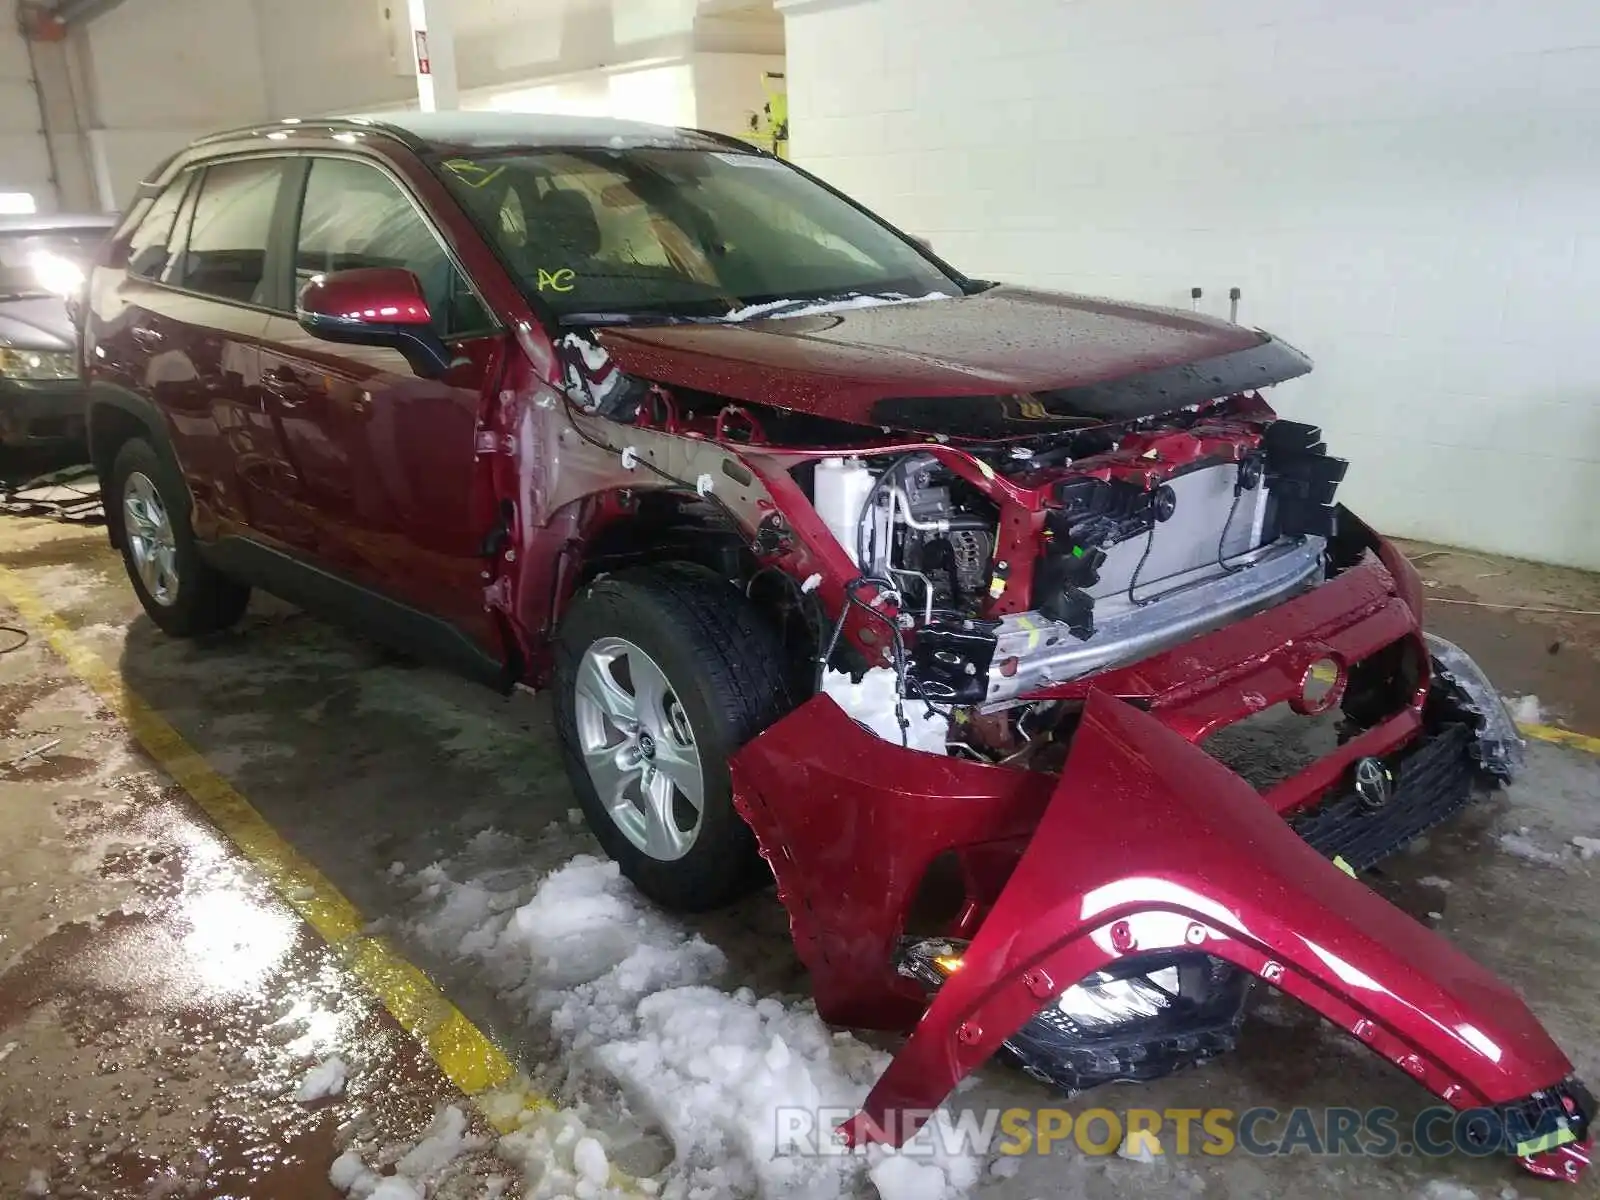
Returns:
point(151, 544)
point(639, 748)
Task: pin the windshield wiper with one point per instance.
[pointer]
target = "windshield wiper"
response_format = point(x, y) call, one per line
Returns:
point(779, 308)
point(635, 318)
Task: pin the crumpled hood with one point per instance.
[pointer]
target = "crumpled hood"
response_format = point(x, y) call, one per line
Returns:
point(1002, 362)
point(36, 323)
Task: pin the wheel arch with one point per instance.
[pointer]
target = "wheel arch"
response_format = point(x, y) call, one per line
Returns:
point(657, 526)
point(116, 416)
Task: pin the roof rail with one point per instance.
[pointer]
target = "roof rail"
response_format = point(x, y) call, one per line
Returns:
point(319, 124)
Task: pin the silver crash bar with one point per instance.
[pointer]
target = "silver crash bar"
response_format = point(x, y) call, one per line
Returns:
point(1205, 599)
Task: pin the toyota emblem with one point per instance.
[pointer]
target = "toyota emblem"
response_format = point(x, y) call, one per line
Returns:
point(1374, 784)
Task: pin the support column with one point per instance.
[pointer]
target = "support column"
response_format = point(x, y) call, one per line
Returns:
point(61, 127)
point(434, 47)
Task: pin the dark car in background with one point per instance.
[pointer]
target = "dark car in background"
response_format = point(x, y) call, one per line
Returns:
point(43, 263)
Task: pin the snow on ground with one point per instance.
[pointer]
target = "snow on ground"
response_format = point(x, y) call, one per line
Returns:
point(633, 1001)
point(420, 1166)
point(1520, 845)
point(325, 1079)
point(872, 702)
point(1443, 1189)
point(1525, 710)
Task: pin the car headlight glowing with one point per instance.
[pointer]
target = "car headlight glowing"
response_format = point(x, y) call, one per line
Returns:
point(56, 274)
point(38, 364)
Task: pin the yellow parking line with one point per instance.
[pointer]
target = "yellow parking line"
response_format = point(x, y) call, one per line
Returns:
point(466, 1056)
point(1562, 737)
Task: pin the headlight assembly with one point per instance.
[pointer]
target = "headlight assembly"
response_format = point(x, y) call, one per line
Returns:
point(38, 364)
point(1141, 1018)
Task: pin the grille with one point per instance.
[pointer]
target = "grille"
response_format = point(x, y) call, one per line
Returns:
point(1432, 783)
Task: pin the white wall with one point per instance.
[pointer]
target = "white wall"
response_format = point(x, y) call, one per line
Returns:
point(165, 71)
point(24, 159)
point(728, 89)
point(1408, 191)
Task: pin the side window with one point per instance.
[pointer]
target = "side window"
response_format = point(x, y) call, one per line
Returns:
point(148, 247)
point(356, 216)
point(226, 255)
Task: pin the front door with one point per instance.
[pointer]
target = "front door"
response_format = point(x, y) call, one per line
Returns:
point(384, 460)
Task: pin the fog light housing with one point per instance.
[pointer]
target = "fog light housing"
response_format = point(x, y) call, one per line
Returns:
point(1140, 1018)
point(1497, 745)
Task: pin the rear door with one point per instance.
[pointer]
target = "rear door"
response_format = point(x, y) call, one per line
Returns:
point(222, 267)
point(181, 323)
point(384, 460)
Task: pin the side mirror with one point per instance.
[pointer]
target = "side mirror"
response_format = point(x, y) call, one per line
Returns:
point(374, 306)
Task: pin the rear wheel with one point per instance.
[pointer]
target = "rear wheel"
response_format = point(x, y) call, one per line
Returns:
point(180, 592)
point(661, 674)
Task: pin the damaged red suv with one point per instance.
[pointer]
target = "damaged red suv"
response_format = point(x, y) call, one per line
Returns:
point(844, 568)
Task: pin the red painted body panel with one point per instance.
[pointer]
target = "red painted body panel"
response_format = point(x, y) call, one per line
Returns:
point(1142, 842)
point(1148, 844)
point(1006, 340)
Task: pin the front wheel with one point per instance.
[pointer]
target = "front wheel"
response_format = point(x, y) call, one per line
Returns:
point(661, 674)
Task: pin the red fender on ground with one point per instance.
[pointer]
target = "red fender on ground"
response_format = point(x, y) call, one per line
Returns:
point(1145, 843)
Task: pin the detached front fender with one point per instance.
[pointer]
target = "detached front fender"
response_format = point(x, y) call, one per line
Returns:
point(1148, 844)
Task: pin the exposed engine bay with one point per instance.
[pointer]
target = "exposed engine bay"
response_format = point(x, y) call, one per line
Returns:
point(1131, 553)
point(1083, 597)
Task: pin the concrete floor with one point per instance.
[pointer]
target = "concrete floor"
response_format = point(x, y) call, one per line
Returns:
point(159, 1005)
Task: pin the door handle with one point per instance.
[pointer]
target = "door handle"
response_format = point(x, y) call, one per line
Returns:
point(285, 383)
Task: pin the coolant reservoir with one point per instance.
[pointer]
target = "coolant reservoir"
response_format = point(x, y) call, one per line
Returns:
point(840, 490)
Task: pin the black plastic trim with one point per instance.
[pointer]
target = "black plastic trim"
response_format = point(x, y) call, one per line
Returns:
point(1129, 398)
point(369, 612)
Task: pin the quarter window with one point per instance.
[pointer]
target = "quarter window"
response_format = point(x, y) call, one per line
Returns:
point(355, 216)
point(148, 248)
point(226, 255)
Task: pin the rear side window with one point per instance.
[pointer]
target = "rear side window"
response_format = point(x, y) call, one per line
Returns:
point(148, 247)
point(226, 254)
point(356, 216)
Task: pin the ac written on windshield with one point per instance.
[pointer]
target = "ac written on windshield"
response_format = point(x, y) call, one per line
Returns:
point(659, 232)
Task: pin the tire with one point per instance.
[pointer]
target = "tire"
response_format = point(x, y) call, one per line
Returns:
point(200, 599)
point(722, 667)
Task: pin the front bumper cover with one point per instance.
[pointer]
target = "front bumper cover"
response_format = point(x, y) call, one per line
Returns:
point(1143, 845)
point(40, 412)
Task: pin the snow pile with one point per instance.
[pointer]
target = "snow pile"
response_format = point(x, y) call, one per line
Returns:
point(1443, 1189)
point(38, 1183)
point(631, 998)
point(1142, 1153)
point(872, 703)
point(1525, 710)
point(1520, 845)
point(324, 1080)
point(1435, 881)
point(561, 1157)
point(445, 1141)
point(1587, 847)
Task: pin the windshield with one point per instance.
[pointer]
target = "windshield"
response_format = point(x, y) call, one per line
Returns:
point(47, 262)
point(609, 235)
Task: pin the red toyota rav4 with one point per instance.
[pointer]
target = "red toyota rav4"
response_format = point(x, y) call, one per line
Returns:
point(834, 558)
